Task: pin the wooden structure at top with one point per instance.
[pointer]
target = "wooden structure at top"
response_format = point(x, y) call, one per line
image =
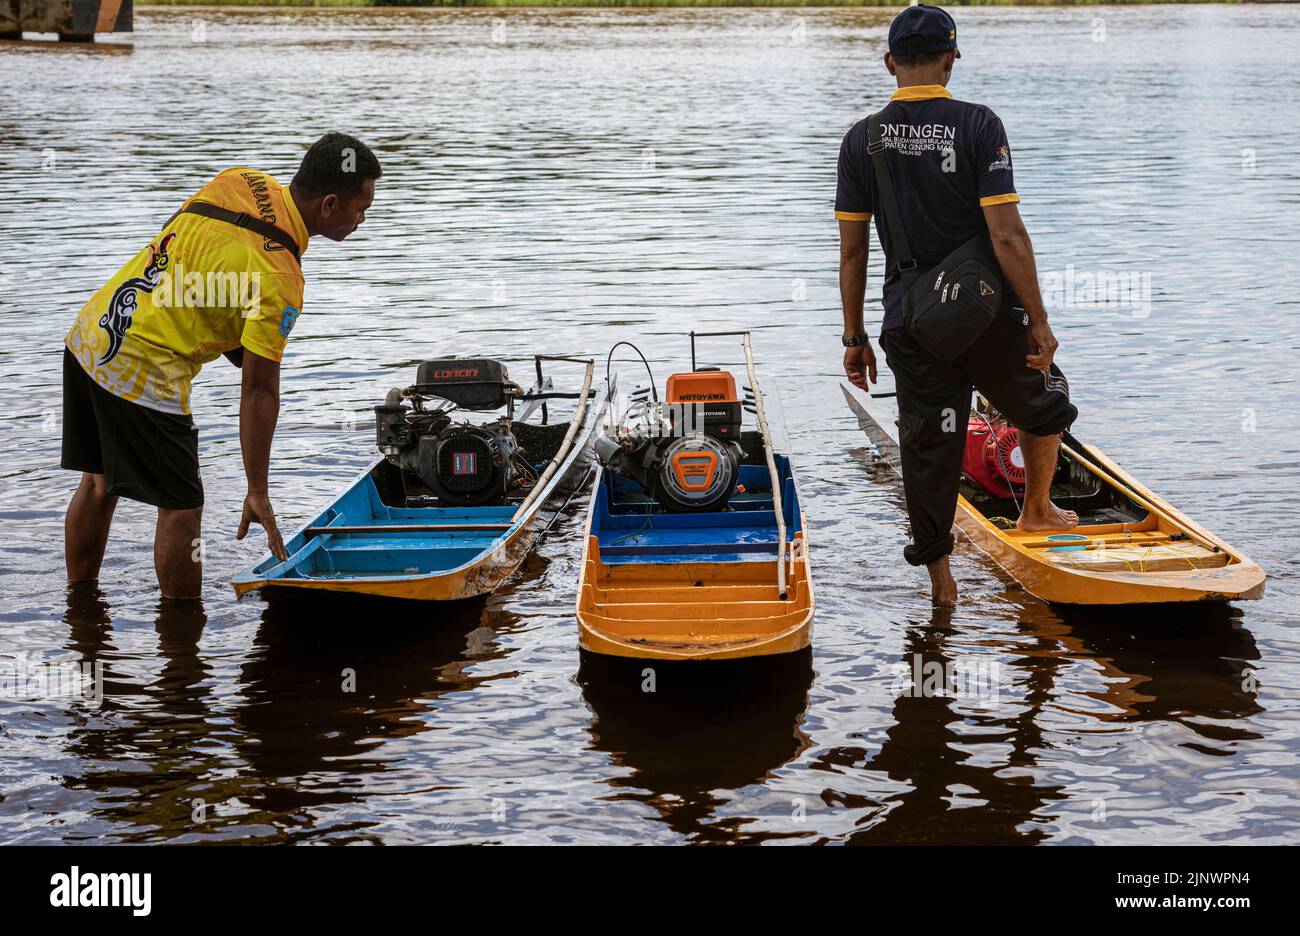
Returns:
point(73, 20)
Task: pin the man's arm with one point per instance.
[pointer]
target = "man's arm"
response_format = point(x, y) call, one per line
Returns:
point(855, 243)
point(1016, 257)
point(259, 408)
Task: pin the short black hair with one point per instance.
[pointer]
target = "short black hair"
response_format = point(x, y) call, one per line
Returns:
point(913, 61)
point(336, 164)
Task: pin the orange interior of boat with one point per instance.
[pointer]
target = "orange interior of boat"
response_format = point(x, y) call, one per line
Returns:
point(700, 605)
point(1153, 544)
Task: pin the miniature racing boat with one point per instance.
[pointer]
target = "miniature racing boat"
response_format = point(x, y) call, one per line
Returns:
point(454, 506)
point(696, 546)
point(1130, 547)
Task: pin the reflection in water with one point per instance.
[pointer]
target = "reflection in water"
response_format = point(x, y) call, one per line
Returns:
point(703, 731)
point(924, 751)
point(1192, 664)
point(954, 795)
point(87, 619)
point(147, 748)
point(332, 681)
point(333, 678)
point(327, 683)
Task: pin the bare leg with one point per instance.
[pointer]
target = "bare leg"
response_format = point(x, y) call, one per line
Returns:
point(943, 589)
point(176, 554)
point(1039, 513)
point(85, 528)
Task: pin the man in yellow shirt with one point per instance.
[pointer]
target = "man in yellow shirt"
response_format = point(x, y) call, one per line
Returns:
point(223, 276)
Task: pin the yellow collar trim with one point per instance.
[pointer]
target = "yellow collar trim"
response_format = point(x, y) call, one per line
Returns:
point(923, 92)
point(297, 226)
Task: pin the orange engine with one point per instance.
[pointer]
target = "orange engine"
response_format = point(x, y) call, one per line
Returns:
point(702, 386)
point(714, 405)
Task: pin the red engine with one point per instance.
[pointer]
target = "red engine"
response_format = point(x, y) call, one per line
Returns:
point(993, 457)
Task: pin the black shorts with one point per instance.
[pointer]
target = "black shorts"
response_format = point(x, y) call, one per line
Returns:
point(144, 454)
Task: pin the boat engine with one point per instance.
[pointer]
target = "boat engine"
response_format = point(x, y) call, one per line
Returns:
point(684, 451)
point(461, 463)
point(993, 461)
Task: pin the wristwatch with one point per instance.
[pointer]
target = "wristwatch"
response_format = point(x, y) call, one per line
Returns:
point(859, 339)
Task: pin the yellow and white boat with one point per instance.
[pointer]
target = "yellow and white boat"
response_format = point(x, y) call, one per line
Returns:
point(1131, 546)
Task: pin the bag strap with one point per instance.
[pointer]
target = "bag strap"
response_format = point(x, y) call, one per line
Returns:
point(889, 201)
point(244, 220)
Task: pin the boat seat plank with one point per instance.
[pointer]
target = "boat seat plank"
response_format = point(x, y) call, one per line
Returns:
point(651, 611)
point(1158, 558)
point(623, 627)
point(673, 594)
point(387, 529)
point(622, 573)
point(682, 549)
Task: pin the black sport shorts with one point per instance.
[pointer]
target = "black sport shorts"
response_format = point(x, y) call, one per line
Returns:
point(144, 454)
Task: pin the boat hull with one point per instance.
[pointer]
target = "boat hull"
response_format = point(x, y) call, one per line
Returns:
point(716, 605)
point(1046, 572)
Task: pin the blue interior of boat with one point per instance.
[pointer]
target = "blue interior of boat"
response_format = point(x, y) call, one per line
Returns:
point(632, 528)
point(381, 555)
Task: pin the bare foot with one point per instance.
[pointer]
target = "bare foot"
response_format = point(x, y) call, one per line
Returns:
point(1054, 518)
point(943, 589)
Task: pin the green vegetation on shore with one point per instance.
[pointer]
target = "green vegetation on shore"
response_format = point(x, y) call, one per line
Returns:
point(654, 3)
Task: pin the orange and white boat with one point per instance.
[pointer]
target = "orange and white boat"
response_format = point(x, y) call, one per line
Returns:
point(1131, 546)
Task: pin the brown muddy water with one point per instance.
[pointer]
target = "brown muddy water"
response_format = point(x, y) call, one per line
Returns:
point(560, 180)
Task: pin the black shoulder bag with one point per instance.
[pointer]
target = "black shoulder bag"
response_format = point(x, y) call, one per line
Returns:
point(949, 306)
point(244, 220)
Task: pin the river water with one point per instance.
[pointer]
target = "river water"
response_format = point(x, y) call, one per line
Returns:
point(560, 180)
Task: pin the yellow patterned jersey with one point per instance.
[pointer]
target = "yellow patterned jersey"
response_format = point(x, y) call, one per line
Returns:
point(201, 287)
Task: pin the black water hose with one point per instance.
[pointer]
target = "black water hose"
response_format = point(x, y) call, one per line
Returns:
point(609, 359)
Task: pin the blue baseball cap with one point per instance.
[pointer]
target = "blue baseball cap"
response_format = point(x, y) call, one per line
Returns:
point(922, 30)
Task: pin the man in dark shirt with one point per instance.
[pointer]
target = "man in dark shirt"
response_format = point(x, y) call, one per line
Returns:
point(951, 169)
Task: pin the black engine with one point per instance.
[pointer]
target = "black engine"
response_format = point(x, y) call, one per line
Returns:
point(460, 463)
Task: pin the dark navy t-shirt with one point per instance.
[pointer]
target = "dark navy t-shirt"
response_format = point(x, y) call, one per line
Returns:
point(948, 159)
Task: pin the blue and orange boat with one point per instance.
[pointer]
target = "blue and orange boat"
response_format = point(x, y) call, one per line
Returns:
point(453, 506)
point(696, 543)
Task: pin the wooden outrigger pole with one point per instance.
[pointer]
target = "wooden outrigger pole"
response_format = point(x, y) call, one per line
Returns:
point(777, 507)
point(574, 426)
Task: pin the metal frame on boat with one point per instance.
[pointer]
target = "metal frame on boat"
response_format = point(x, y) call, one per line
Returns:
point(711, 585)
point(1157, 554)
point(365, 544)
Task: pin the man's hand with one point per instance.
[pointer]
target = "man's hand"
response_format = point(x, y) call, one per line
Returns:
point(859, 364)
point(1042, 345)
point(257, 509)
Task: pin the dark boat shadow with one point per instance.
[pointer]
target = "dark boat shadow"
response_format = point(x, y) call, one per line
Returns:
point(1188, 664)
point(329, 679)
point(692, 732)
point(1182, 662)
point(332, 678)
